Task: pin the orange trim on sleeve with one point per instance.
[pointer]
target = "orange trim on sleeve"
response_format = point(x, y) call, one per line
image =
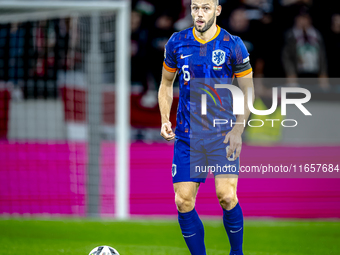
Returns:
point(169, 69)
point(244, 73)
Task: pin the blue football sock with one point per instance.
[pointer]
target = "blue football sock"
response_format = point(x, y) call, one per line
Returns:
point(193, 231)
point(233, 224)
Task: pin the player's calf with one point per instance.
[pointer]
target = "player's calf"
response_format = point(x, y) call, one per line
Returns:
point(232, 212)
point(189, 221)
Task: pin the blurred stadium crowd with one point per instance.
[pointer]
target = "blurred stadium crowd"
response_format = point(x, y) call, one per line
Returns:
point(36, 57)
point(285, 38)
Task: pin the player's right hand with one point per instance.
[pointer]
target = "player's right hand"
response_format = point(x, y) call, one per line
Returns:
point(167, 132)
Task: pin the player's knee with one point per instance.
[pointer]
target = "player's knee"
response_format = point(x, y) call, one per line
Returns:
point(227, 200)
point(184, 203)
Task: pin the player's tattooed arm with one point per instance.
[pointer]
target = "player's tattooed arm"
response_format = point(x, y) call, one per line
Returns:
point(235, 135)
point(165, 97)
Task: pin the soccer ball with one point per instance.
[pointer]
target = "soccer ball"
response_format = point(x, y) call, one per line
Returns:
point(104, 250)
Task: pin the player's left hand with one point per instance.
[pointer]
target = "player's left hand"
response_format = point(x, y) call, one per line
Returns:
point(235, 142)
point(167, 132)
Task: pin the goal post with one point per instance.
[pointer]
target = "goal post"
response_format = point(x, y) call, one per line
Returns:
point(123, 113)
point(40, 10)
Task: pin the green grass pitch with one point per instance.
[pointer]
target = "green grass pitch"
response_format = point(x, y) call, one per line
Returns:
point(161, 237)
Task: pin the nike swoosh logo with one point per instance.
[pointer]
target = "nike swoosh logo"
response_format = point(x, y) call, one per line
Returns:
point(189, 236)
point(185, 56)
point(235, 231)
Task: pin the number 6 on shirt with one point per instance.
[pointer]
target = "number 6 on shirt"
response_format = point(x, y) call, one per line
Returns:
point(186, 73)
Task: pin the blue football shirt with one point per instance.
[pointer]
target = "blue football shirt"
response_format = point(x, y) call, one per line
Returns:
point(200, 66)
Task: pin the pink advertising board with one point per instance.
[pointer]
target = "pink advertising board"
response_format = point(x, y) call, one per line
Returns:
point(40, 178)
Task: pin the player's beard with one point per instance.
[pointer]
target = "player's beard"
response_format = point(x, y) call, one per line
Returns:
point(207, 25)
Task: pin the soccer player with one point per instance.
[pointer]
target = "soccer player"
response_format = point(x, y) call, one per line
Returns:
point(203, 56)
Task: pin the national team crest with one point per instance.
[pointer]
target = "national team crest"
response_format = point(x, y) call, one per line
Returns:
point(174, 170)
point(218, 57)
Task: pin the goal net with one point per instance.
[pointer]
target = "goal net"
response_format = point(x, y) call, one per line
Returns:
point(64, 108)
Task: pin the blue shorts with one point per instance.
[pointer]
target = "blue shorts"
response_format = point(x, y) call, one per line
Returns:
point(195, 158)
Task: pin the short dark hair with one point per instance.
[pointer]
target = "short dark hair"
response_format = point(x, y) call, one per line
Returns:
point(216, 2)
